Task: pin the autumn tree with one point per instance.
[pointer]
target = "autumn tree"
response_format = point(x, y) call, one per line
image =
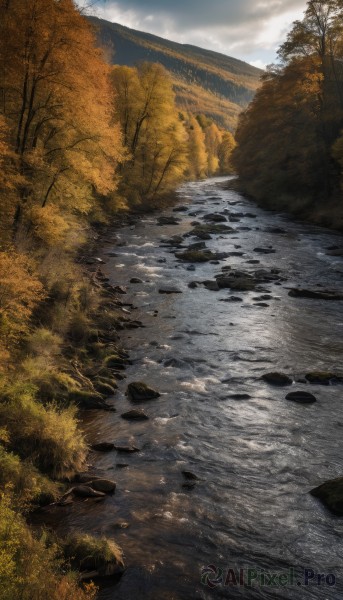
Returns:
point(152, 132)
point(197, 154)
point(225, 150)
point(57, 100)
point(285, 138)
point(213, 139)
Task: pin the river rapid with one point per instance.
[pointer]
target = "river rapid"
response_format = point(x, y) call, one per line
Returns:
point(256, 458)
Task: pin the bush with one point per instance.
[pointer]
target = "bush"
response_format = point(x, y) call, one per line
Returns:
point(87, 553)
point(48, 436)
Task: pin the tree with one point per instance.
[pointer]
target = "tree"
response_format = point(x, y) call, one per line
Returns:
point(57, 100)
point(152, 131)
point(213, 139)
point(197, 155)
point(225, 153)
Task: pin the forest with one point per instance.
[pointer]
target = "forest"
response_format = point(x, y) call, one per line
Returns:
point(82, 143)
point(290, 142)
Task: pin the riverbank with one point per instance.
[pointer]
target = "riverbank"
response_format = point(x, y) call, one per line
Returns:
point(323, 214)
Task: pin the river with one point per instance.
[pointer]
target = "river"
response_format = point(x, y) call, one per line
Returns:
point(256, 458)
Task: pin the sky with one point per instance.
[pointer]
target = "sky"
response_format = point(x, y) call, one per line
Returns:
point(250, 30)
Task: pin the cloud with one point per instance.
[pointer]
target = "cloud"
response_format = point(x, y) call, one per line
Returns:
point(248, 29)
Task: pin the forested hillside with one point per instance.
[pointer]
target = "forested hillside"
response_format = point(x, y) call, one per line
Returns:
point(290, 144)
point(81, 143)
point(205, 81)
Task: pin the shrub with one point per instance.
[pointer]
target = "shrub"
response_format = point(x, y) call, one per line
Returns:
point(87, 553)
point(47, 435)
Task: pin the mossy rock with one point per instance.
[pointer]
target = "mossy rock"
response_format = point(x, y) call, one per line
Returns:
point(114, 361)
point(140, 392)
point(87, 400)
point(331, 494)
point(104, 389)
point(196, 256)
point(323, 378)
point(211, 229)
point(279, 379)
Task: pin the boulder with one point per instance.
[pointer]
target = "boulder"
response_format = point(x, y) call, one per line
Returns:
point(126, 449)
point(168, 221)
point(190, 476)
point(211, 285)
point(323, 378)
point(168, 290)
point(315, 294)
point(103, 447)
point(196, 256)
point(276, 378)
point(215, 218)
point(331, 494)
point(140, 392)
point(86, 491)
point(136, 280)
point(105, 486)
point(264, 250)
point(135, 415)
point(301, 397)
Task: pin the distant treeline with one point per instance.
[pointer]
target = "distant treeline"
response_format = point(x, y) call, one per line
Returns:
point(290, 142)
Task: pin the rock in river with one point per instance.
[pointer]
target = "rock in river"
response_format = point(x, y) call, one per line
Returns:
point(168, 221)
point(315, 294)
point(331, 494)
point(277, 379)
point(168, 290)
point(103, 447)
point(85, 491)
point(301, 397)
point(135, 415)
point(140, 392)
point(323, 378)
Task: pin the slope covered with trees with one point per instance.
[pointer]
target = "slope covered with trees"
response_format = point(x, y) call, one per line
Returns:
point(204, 81)
point(289, 152)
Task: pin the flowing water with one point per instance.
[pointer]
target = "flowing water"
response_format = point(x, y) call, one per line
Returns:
point(256, 458)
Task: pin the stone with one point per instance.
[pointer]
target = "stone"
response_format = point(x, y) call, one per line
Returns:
point(169, 290)
point(301, 397)
point(215, 218)
point(190, 476)
point(196, 256)
point(168, 221)
point(315, 294)
point(140, 392)
point(211, 285)
point(323, 378)
point(104, 486)
point(264, 250)
point(279, 379)
point(331, 494)
point(135, 415)
point(135, 280)
point(126, 449)
point(85, 491)
point(103, 447)
point(239, 397)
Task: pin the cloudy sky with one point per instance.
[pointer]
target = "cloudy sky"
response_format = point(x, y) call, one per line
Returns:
point(247, 29)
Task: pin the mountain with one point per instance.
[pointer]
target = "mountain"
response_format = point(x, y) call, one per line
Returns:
point(204, 81)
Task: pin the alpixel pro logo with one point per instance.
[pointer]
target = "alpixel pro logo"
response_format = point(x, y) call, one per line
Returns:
point(214, 577)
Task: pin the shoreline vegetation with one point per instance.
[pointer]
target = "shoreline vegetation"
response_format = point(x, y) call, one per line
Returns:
point(84, 148)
